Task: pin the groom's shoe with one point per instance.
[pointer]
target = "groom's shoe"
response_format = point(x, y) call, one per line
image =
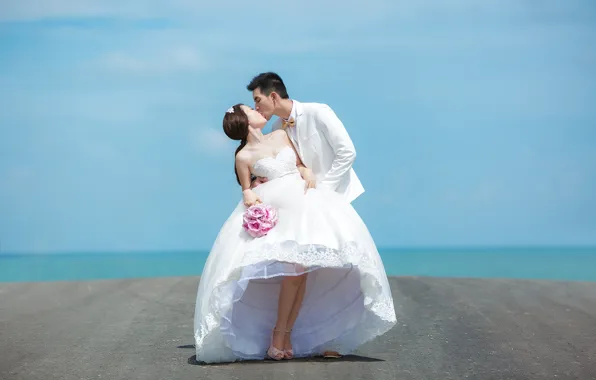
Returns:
point(331, 355)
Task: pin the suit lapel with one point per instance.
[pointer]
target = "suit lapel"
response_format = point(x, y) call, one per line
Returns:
point(278, 125)
point(302, 132)
point(298, 129)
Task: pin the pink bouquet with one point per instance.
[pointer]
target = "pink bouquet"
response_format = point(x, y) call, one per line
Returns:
point(259, 220)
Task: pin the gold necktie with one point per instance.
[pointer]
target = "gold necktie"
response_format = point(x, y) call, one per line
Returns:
point(288, 123)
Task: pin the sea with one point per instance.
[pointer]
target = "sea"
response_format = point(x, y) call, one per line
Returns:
point(560, 263)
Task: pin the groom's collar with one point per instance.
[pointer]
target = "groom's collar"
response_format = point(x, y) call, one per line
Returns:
point(296, 110)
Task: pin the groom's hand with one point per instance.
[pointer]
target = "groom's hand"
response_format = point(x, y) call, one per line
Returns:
point(310, 184)
point(310, 181)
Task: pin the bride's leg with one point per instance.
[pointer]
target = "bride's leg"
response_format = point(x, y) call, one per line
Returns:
point(292, 319)
point(287, 296)
point(293, 315)
point(297, 302)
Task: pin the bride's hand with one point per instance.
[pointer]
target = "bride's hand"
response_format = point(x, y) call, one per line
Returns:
point(250, 198)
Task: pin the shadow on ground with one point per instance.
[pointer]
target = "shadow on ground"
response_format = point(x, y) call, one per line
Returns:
point(348, 358)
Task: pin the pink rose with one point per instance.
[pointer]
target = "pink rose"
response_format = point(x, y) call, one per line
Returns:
point(266, 224)
point(268, 212)
point(256, 212)
point(247, 218)
point(254, 226)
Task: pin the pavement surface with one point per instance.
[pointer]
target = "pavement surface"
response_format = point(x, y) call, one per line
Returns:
point(447, 329)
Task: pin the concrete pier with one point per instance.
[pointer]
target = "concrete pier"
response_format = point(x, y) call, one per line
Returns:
point(447, 329)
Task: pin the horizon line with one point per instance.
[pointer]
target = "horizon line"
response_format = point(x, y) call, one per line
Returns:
point(380, 249)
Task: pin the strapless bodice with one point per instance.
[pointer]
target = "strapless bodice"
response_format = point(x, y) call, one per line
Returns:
point(282, 164)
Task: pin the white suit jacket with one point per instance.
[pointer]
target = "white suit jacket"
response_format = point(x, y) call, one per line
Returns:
point(325, 147)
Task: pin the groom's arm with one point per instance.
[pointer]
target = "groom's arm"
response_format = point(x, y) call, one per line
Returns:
point(336, 134)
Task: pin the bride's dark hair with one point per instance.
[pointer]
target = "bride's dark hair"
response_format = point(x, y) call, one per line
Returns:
point(235, 126)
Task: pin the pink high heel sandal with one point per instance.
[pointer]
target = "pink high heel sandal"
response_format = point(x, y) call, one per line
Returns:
point(289, 354)
point(272, 352)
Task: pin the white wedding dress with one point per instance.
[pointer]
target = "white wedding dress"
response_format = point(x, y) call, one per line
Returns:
point(347, 301)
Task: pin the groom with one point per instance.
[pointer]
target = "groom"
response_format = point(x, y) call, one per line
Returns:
point(320, 138)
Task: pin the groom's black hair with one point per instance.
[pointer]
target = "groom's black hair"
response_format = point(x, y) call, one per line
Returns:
point(268, 83)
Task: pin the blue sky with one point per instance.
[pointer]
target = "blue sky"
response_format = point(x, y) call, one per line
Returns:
point(474, 122)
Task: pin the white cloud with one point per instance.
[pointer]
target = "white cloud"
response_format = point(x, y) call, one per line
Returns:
point(214, 142)
point(24, 10)
point(306, 10)
point(16, 175)
point(13, 181)
point(355, 11)
point(28, 10)
point(170, 60)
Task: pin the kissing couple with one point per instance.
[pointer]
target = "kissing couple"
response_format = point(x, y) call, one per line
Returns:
point(315, 284)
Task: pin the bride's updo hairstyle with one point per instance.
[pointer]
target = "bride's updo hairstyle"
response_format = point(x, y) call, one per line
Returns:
point(235, 126)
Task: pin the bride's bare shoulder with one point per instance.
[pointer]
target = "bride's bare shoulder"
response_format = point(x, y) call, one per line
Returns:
point(244, 156)
point(280, 136)
point(279, 133)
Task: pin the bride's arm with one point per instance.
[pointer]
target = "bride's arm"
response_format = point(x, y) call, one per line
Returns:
point(243, 169)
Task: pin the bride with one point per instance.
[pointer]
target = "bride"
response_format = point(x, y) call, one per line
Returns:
point(314, 285)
